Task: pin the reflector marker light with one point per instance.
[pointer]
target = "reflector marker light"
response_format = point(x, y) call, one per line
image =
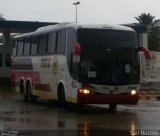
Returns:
point(77, 49)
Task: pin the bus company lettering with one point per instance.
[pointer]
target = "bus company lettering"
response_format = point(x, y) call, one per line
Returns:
point(45, 63)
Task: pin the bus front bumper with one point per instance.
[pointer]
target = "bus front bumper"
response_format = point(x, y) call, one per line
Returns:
point(107, 99)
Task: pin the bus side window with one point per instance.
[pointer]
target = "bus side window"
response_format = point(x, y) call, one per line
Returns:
point(7, 59)
point(34, 46)
point(14, 51)
point(20, 47)
point(71, 40)
point(43, 41)
point(61, 43)
point(1, 61)
point(52, 42)
point(27, 46)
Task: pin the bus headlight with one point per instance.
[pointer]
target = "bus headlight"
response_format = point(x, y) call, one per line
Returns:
point(84, 91)
point(133, 92)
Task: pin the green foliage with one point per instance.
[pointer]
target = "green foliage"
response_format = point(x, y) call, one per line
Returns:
point(154, 39)
point(153, 31)
point(145, 19)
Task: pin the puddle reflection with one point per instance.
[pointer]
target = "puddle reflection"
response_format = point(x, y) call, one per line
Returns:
point(86, 121)
point(83, 124)
point(133, 129)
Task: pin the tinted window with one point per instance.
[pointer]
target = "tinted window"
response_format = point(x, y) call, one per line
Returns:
point(109, 67)
point(14, 51)
point(34, 45)
point(7, 59)
point(52, 42)
point(71, 39)
point(20, 47)
point(27, 45)
point(43, 44)
point(107, 38)
point(0, 60)
point(61, 45)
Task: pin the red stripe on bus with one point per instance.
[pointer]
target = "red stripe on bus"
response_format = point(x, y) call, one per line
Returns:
point(107, 99)
point(22, 64)
point(34, 76)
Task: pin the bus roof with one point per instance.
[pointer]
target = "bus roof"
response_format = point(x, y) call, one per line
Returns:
point(76, 26)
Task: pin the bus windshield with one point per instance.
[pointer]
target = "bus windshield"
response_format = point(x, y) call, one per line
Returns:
point(107, 38)
point(108, 58)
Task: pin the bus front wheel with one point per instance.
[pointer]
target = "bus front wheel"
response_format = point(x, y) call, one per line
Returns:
point(61, 96)
point(112, 107)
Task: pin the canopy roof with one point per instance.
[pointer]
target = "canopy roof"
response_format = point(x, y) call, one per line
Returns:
point(21, 26)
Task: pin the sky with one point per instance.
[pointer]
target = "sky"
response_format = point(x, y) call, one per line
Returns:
point(89, 11)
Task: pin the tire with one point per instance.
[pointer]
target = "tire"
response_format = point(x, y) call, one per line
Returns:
point(23, 92)
point(61, 96)
point(30, 97)
point(112, 107)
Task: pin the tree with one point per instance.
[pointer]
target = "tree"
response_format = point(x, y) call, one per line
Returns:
point(145, 19)
point(154, 39)
point(153, 31)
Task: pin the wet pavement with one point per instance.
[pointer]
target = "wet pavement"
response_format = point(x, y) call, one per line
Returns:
point(47, 118)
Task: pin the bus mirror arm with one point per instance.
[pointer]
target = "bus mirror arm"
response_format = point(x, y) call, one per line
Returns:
point(71, 64)
point(146, 52)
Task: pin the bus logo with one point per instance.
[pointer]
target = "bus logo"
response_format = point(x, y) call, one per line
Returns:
point(55, 65)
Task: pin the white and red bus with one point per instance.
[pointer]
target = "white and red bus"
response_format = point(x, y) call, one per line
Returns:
point(78, 63)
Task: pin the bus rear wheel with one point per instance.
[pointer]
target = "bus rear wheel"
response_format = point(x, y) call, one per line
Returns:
point(23, 92)
point(30, 97)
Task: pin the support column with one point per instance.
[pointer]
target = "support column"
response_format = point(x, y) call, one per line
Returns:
point(6, 38)
point(144, 40)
